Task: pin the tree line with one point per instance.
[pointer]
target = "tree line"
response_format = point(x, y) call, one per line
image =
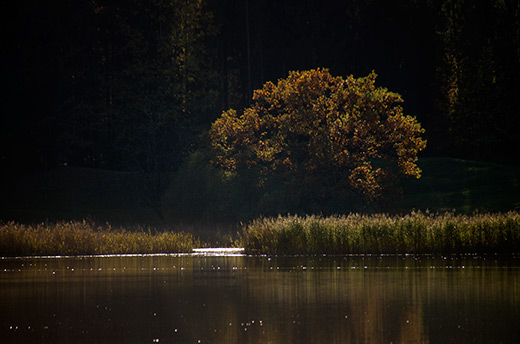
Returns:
point(136, 85)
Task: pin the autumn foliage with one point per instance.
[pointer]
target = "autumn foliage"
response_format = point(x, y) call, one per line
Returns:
point(322, 136)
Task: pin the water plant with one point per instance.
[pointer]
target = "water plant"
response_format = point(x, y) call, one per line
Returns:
point(417, 232)
point(84, 238)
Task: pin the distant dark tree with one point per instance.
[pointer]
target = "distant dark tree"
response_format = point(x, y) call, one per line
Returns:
point(139, 82)
point(323, 137)
point(478, 77)
point(165, 88)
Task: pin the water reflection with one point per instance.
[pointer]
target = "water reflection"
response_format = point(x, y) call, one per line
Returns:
point(242, 299)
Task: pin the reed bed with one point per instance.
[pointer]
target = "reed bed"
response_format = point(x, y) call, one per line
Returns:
point(414, 233)
point(83, 238)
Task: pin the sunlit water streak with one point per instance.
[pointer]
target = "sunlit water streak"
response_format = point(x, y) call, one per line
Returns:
point(212, 251)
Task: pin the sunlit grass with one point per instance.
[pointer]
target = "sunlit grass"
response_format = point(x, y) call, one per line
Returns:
point(84, 238)
point(414, 233)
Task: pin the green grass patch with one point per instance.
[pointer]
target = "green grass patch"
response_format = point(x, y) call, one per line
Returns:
point(414, 233)
point(74, 193)
point(463, 185)
point(198, 193)
point(83, 238)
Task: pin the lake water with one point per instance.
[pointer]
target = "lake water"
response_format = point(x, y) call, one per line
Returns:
point(258, 299)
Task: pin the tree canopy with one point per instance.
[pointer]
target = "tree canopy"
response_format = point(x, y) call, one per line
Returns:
point(323, 136)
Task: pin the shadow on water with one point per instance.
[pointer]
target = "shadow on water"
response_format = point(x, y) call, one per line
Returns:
point(212, 298)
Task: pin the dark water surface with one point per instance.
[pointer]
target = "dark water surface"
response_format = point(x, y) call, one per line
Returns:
point(244, 299)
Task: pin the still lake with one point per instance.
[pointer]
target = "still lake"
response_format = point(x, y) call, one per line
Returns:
point(234, 298)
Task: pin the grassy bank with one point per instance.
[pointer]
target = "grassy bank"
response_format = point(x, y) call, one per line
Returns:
point(83, 238)
point(414, 233)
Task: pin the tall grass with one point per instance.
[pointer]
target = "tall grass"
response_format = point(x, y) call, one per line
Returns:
point(414, 233)
point(83, 238)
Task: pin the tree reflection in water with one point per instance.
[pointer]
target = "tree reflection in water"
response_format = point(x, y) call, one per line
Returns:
point(243, 299)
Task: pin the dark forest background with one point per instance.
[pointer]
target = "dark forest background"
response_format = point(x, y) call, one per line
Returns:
point(134, 85)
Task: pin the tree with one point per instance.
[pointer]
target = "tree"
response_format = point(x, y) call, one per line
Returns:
point(137, 87)
point(324, 137)
point(165, 88)
point(478, 73)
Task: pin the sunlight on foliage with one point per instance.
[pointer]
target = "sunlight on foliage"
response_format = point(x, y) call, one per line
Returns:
point(416, 232)
point(344, 134)
point(84, 238)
